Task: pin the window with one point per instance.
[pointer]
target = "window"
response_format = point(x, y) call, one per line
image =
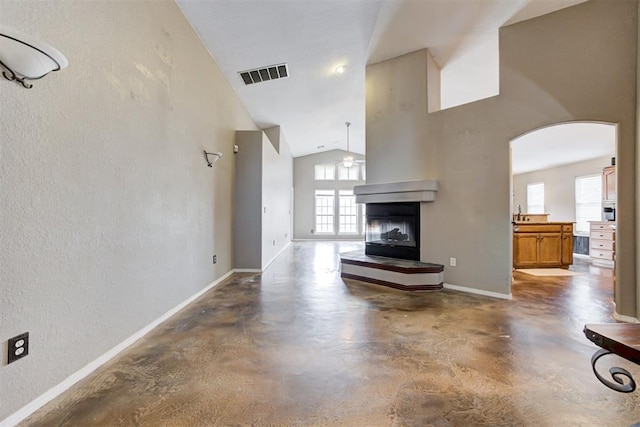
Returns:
point(348, 174)
point(348, 216)
point(325, 211)
point(588, 200)
point(325, 172)
point(535, 198)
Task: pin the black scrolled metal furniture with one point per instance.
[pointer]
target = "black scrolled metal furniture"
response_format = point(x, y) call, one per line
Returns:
point(616, 374)
point(621, 339)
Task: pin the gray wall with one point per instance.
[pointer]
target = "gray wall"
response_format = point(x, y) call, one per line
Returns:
point(109, 215)
point(247, 218)
point(262, 212)
point(559, 187)
point(576, 64)
point(305, 185)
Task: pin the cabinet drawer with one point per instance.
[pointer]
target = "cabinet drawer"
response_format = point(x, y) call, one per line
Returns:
point(521, 228)
point(602, 235)
point(596, 253)
point(567, 228)
point(602, 226)
point(602, 245)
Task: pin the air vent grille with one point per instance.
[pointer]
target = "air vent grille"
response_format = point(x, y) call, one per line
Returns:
point(257, 75)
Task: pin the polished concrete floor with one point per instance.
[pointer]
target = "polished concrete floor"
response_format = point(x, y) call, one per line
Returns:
point(299, 346)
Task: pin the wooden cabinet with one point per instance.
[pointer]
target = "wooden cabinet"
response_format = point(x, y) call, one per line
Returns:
point(542, 245)
point(602, 239)
point(609, 187)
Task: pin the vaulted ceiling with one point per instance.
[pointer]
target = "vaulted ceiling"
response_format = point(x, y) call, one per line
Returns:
point(315, 36)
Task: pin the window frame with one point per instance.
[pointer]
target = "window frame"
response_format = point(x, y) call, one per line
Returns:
point(582, 226)
point(324, 175)
point(329, 195)
point(531, 207)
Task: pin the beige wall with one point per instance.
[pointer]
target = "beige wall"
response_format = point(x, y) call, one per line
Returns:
point(559, 187)
point(109, 216)
point(305, 185)
point(575, 64)
point(277, 184)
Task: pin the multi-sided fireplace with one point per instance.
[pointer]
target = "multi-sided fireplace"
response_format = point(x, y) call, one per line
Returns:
point(393, 230)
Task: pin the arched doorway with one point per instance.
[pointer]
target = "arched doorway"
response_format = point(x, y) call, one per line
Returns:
point(557, 174)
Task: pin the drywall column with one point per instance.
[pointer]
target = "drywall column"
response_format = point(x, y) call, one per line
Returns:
point(263, 178)
point(247, 220)
point(398, 144)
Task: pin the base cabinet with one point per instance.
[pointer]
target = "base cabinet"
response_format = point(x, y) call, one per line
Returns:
point(542, 245)
point(602, 243)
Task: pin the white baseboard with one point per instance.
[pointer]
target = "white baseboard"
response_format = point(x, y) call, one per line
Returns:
point(623, 318)
point(55, 391)
point(477, 291)
point(276, 255)
point(247, 270)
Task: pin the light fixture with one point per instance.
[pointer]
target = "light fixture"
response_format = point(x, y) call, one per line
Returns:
point(25, 58)
point(215, 153)
point(340, 69)
point(347, 161)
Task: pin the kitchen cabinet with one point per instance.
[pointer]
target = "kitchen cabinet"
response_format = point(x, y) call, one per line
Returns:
point(545, 244)
point(602, 242)
point(609, 187)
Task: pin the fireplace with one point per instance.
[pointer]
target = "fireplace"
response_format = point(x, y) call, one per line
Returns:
point(393, 230)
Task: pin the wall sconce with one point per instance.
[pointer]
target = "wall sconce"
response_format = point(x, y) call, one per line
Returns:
point(215, 153)
point(26, 58)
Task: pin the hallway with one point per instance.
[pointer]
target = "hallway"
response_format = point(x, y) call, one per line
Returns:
point(298, 346)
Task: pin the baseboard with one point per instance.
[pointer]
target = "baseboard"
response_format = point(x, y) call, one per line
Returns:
point(55, 391)
point(247, 270)
point(477, 291)
point(276, 255)
point(623, 318)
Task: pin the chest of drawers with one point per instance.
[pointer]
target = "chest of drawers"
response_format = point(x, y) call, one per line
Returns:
point(602, 242)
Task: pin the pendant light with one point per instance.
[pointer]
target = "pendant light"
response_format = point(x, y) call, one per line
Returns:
point(347, 161)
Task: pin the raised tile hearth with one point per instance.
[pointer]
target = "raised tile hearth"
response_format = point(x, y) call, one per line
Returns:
point(406, 275)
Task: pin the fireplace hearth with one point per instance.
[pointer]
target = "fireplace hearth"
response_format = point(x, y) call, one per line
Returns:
point(393, 230)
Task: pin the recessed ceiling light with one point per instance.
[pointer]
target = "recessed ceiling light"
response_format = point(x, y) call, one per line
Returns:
point(340, 69)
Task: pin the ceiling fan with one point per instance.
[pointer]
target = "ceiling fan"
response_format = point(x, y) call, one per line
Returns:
point(348, 160)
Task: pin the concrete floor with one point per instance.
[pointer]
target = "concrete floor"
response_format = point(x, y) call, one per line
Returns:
point(298, 346)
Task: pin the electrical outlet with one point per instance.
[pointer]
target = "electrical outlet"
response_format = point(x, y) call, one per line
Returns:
point(18, 347)
point(452, 262)
point(274, 243)
point(215, 259)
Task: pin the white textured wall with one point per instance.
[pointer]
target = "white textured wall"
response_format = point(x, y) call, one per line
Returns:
point(575, 64)
point(559, 187)
point(109, 216)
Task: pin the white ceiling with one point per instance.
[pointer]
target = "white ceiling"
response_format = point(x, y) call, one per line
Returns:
point(315, 36)
point(562, 144)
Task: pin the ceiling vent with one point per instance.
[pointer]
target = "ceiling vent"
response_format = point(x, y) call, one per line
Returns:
point(257, 75)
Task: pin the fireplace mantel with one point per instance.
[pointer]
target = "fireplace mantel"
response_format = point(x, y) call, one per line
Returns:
point(404, 191)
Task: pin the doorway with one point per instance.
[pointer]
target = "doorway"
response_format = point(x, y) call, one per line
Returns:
point(554, 170)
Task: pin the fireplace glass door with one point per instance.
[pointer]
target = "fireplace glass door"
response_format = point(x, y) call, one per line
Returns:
point(393, 230)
